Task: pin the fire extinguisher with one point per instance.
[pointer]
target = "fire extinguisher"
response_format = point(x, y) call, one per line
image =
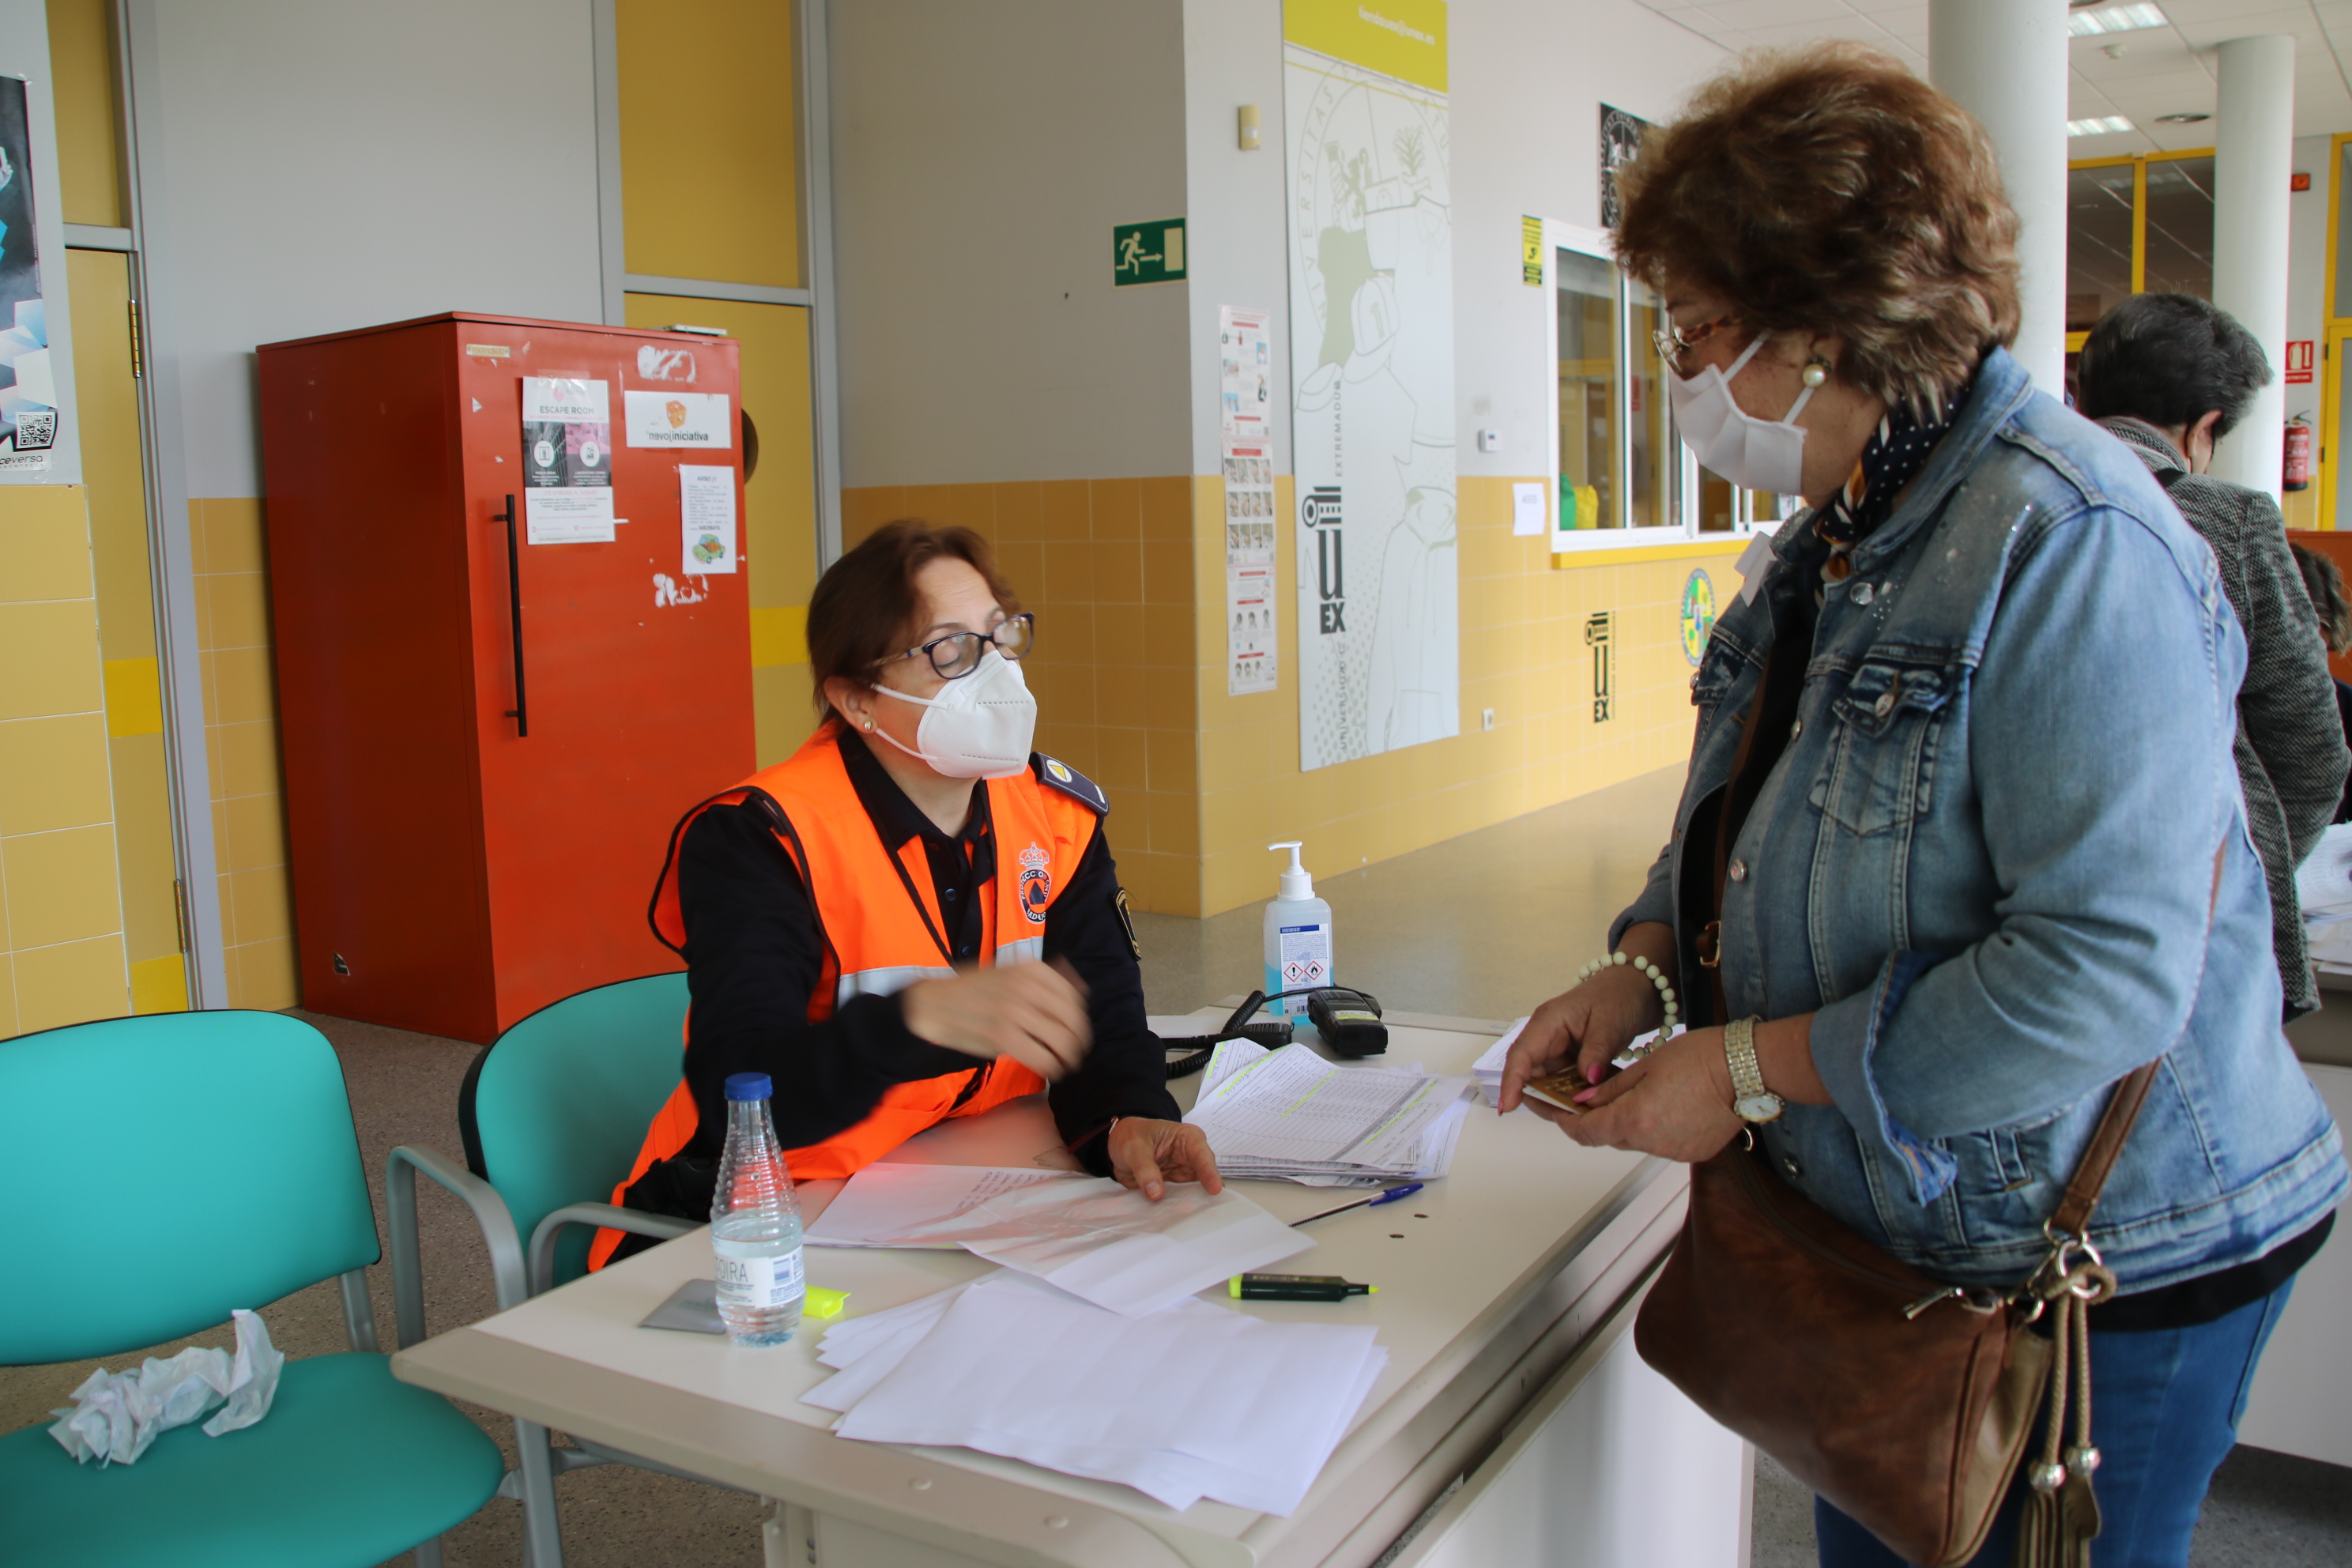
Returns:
point(2297, 476)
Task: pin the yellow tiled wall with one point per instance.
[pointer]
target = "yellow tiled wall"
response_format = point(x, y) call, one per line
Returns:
point(1523, 654)
point(1126, 578)
point(233, 639)
point(61, 950)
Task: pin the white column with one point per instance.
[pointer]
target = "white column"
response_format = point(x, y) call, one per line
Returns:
point(2254, 157)
point(2005, 62)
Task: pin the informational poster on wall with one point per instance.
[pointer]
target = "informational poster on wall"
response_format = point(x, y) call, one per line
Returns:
point(706, 510)
point(1371, 364)
point(567, 461)
point(1245, 373)
point(28, 412)
point(1249, 629)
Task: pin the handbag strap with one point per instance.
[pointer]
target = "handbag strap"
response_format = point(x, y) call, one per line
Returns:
point(2098, 1163)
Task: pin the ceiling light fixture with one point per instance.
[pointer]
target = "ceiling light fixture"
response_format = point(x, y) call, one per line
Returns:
point(2105, 125)
point(2192, 119)
point(2114, 19)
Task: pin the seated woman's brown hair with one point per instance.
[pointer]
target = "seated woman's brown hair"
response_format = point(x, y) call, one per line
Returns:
point(1827, 189)
point(865, 605)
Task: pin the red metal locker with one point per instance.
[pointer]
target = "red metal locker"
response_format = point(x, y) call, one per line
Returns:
point(452, 873)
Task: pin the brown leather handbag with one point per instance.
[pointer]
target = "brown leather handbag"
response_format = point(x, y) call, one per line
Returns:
point(1904, 1401)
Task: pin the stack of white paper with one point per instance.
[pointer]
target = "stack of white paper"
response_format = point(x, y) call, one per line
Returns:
point(2323, 884)
point(1489, 1068)
point(1090, 1237)
point(1289, 1115)
point(1196, 1401)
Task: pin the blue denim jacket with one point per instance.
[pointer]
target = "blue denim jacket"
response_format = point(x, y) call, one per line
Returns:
point(1985, 863)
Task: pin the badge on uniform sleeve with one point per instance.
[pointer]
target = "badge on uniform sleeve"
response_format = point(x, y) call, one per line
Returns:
point(1037, 883)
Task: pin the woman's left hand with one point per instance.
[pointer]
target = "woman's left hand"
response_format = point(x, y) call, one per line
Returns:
point(1676, 1103)
point(1146, 1155)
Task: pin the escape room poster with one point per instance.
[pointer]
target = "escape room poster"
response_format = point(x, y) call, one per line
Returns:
point(28, 414)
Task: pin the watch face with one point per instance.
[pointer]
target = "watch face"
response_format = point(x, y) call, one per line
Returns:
point(1760, 1107)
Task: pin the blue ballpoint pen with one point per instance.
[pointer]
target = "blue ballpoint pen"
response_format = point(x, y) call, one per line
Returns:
point(1387, 1195)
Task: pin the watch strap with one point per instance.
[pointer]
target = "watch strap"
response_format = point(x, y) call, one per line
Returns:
point(1739, 1052)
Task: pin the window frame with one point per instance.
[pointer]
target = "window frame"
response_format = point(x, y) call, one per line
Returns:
point(1559, 234)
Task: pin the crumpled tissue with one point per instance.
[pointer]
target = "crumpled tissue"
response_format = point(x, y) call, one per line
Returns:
point(116, 1415)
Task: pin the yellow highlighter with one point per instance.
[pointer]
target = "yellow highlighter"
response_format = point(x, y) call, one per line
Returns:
point(820, 1302)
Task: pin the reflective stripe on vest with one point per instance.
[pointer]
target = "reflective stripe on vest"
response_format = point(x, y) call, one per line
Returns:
point(877, 942)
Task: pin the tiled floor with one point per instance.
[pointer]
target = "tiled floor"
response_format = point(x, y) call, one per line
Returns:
point(1484, 926)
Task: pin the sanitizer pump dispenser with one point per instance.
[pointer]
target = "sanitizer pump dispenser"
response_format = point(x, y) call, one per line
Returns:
point(1297, 938)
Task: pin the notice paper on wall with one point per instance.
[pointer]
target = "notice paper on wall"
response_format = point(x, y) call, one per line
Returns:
point(1528, 510)
point(706, 508)
point(693, 419)
point(1249, 629)
point(567, 461)
point(1246, 373)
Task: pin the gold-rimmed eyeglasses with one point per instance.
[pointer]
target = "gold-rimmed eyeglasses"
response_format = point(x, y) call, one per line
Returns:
point(958, 653)
point(1671, 340)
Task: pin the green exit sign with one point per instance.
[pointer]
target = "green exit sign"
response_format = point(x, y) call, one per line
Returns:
point(1147, 252)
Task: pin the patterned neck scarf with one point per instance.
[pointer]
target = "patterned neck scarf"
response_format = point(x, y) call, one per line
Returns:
point(1890, 459)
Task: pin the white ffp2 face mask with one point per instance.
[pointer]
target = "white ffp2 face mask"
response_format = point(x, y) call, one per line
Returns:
point(979, 726)
point(1755, 453)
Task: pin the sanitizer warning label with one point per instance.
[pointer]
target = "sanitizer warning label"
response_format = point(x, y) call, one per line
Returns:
point(1305, 956)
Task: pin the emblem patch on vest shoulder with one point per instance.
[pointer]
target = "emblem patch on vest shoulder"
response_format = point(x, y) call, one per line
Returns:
point(1036, 884)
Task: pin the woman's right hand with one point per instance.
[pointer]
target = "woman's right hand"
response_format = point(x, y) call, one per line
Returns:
point(1034, 1013)
point(1583, 1027)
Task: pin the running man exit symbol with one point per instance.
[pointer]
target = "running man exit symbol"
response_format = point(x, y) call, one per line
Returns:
point(1147, 252)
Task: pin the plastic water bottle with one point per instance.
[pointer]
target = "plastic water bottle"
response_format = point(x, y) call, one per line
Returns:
point(755, 1223)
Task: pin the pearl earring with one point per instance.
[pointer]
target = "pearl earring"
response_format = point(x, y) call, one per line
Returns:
point(1816, 371)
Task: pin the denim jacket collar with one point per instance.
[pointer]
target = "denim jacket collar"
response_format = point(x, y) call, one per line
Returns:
point(2001, 387)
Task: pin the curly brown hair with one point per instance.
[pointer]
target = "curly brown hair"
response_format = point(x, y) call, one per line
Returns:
point(1826, 189)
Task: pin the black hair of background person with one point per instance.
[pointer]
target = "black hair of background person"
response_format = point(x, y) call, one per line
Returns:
point(2171, 360)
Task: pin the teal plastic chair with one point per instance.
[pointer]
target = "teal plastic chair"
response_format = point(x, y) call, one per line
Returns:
point(553, 1113)
point(159, 1171)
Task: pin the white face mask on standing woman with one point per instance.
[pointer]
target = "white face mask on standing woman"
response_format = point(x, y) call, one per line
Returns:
point(1754, 454)
point(979, 726)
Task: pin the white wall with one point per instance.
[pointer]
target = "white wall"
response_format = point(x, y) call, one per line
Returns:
point(323, 164)
point(1528, 79)
point(982, 155)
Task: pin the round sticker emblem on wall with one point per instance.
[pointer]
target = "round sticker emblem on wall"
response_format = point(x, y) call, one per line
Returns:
point(1698, 613)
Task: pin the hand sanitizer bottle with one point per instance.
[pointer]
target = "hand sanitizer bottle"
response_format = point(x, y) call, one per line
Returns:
point(1298, 937)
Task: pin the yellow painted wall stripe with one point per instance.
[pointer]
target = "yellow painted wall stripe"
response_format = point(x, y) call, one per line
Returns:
point(1570, 560)
point(134, 698)
point(779, 636)
point(160, 985)
point(1403, 38)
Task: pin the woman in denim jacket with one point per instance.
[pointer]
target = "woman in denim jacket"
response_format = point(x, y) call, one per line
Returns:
point(1987, 853)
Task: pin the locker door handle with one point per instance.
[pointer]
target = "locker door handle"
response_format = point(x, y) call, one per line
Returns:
point(520, 711)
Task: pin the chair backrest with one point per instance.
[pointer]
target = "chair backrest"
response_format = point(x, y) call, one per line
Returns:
point(556, 1108)
point(160, 1170)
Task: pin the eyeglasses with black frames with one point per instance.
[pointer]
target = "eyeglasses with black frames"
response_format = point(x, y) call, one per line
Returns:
point(957, 653)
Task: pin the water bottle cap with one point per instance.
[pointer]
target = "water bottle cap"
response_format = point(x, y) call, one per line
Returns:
point(749, 1086)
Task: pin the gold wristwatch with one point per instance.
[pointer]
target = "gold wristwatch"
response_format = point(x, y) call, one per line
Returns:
point(1750, 1098)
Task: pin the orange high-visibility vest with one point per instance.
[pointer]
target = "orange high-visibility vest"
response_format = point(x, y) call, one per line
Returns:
point(881, 930)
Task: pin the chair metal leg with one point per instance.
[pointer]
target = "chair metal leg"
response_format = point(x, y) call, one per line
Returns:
point(428, 1553)
point(543, 1535)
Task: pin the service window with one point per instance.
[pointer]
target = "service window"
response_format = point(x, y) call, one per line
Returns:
point(1621, 475)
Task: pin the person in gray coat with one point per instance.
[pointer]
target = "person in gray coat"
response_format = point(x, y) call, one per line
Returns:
point(2169, 374)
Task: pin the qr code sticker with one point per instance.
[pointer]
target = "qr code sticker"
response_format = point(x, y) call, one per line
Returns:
point(36, 432)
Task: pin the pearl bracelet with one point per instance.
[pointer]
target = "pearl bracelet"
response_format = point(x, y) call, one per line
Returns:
point(1657, 977)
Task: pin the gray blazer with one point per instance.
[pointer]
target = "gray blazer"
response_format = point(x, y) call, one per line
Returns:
point(2290, 748)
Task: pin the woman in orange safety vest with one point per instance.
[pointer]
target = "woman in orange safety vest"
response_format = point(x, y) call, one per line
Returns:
point(912, 918)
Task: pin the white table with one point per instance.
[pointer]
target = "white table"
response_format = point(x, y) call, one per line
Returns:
point(1505, 1292)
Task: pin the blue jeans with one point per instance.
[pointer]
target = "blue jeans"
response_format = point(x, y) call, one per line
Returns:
point(2163, 1414)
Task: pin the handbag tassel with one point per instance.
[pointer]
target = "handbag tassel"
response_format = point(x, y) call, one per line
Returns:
point(2061, 1513)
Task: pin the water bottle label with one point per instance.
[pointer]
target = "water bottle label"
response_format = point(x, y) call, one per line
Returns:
point(761, 1283)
